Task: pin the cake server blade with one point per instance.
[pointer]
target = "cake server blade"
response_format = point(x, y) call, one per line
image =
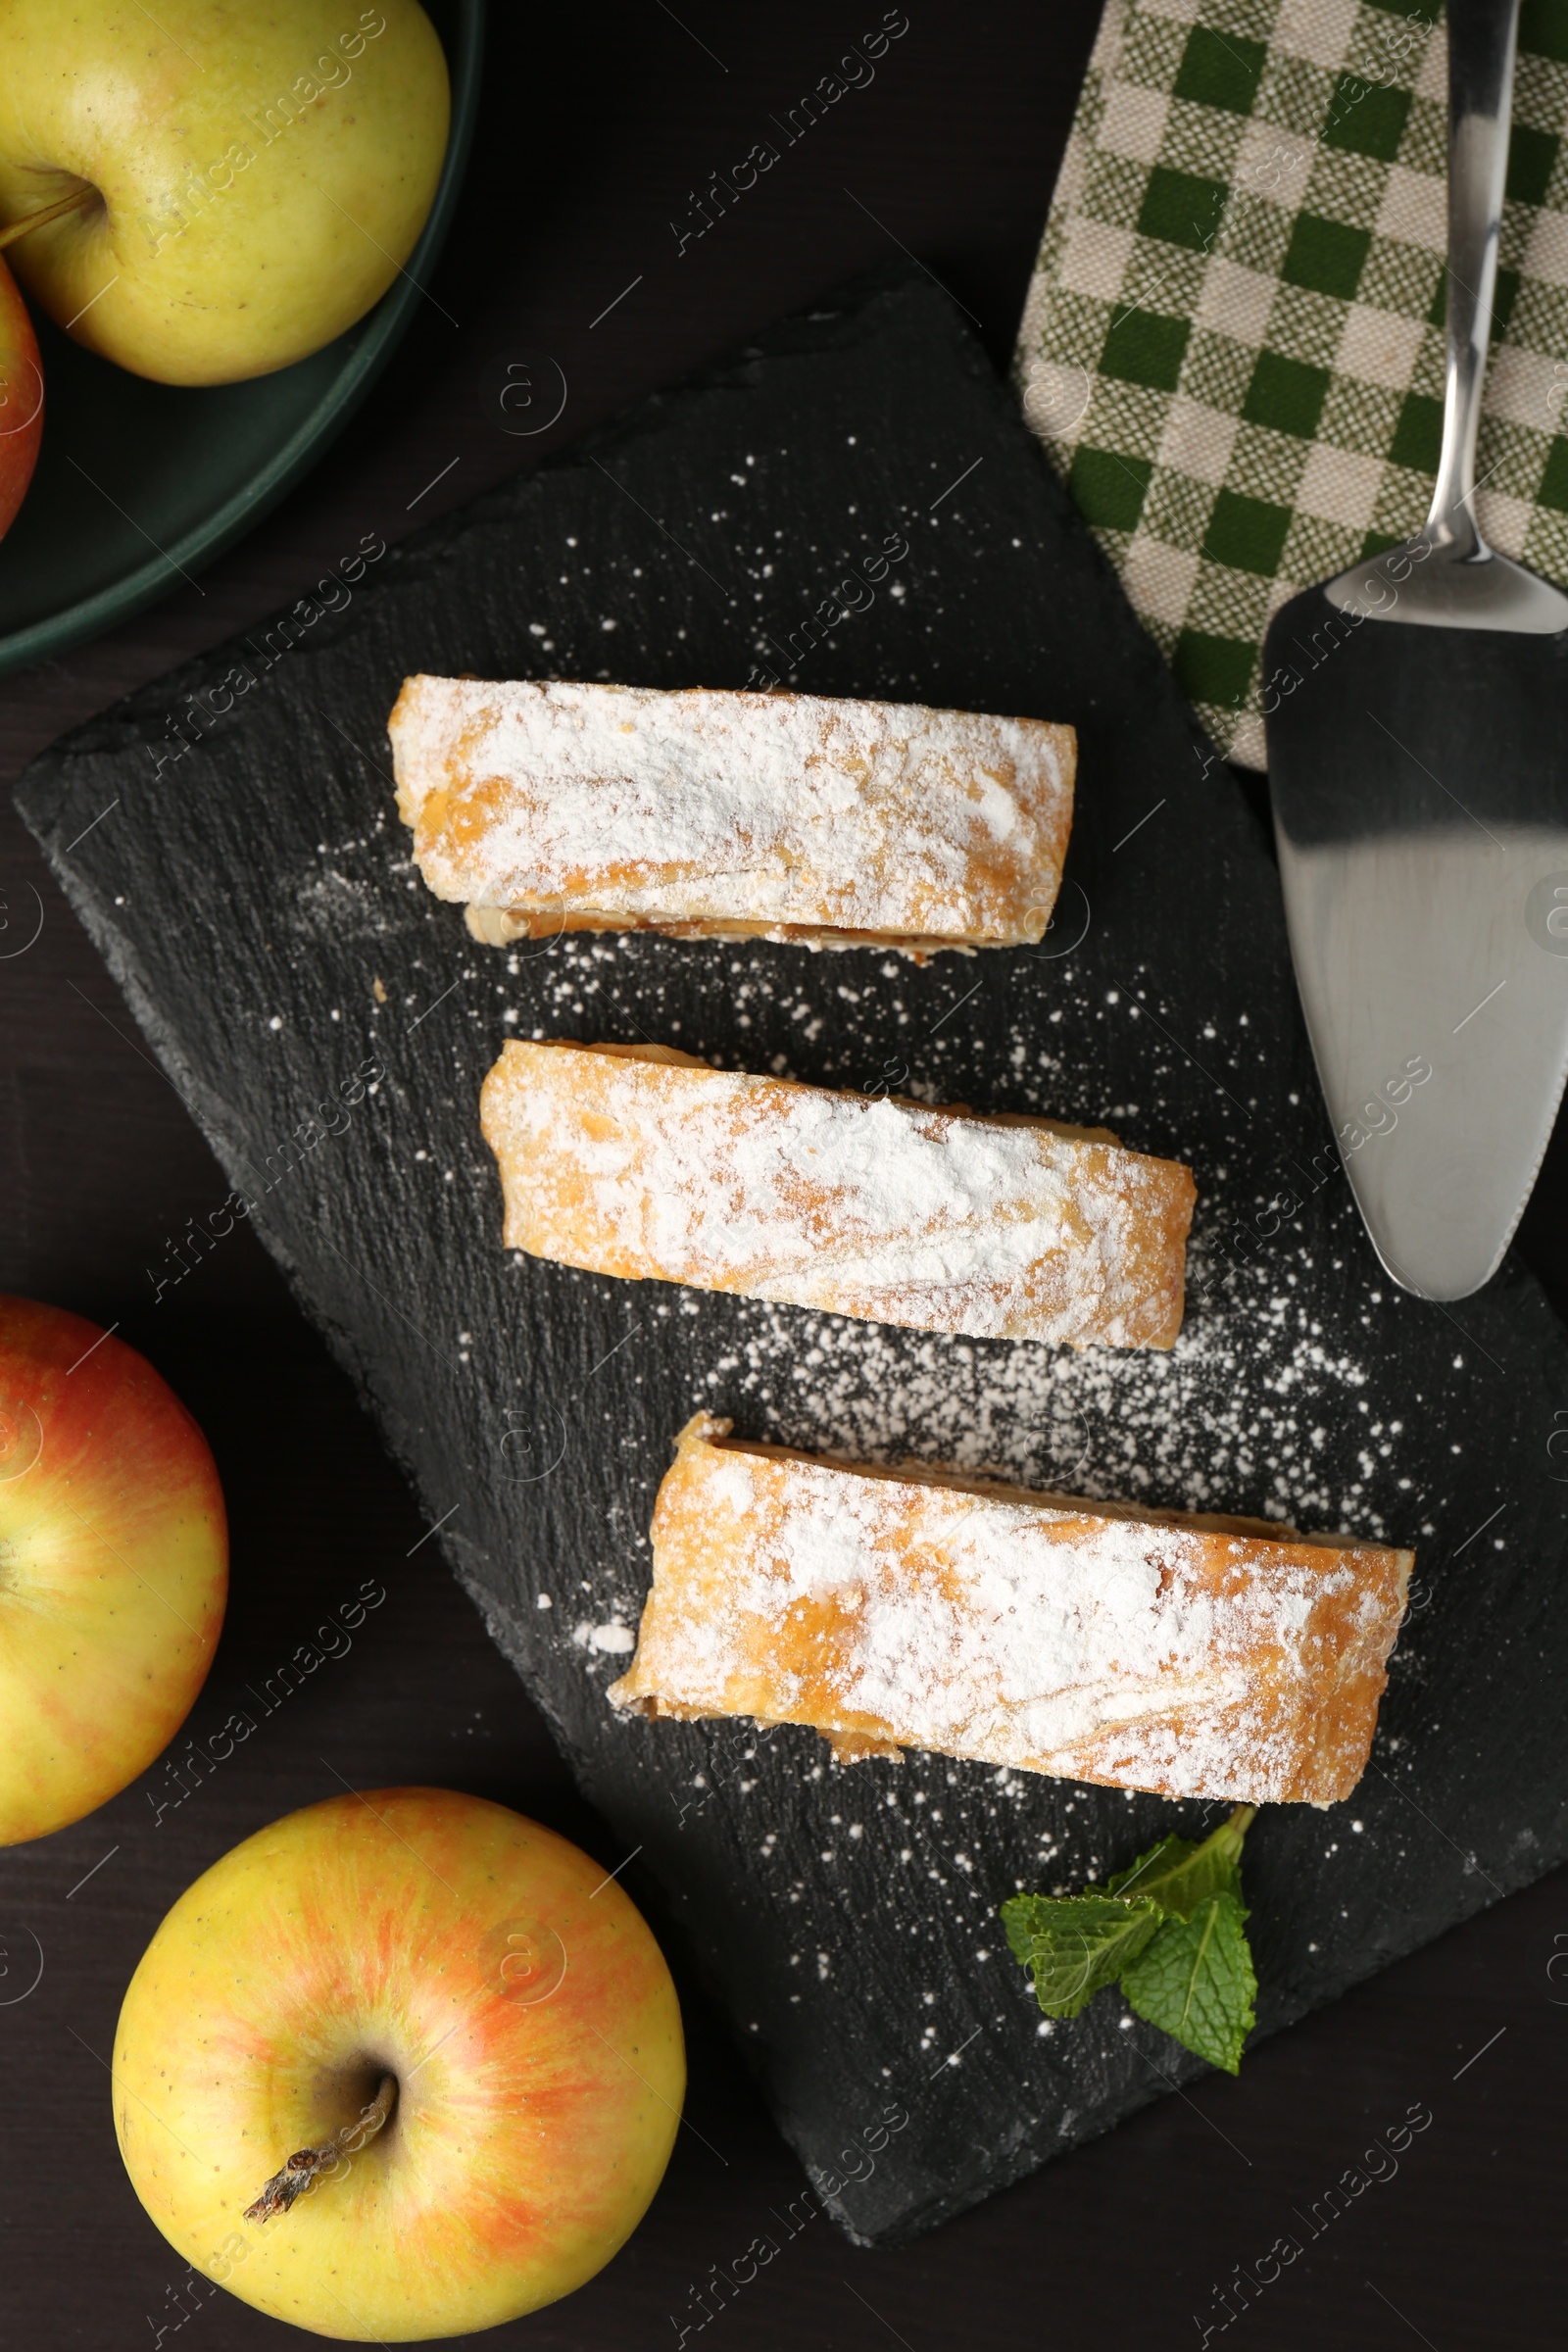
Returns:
point(1417, 717)
point(1422, 820)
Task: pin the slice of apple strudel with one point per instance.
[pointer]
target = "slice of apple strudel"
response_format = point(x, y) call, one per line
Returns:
point(922, 1607)
point(549, 807)
point(641, 1161)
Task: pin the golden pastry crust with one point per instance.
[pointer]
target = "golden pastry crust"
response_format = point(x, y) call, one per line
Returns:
point(642, 1162)
point(550, 806)
point(1189, 1654)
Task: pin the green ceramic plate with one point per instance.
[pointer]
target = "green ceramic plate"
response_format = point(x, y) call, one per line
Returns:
point(163, 476)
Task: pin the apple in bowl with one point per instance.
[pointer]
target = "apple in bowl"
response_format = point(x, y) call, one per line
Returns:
point(403, 2065)
point(209, 190)
point(113, 1566)
point(20, 399)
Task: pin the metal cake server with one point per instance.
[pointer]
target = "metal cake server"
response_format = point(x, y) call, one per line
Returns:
point(1417, 718)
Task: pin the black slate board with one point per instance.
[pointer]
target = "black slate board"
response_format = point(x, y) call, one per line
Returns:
point(253, 899)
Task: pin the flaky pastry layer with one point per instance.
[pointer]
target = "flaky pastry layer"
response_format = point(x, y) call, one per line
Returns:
point(923, 1607)
point(551, 807)
point(642, 1162)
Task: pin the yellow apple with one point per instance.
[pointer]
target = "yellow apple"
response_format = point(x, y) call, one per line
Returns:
point(249, 179)
point(113, 1566)
point(487, 1979)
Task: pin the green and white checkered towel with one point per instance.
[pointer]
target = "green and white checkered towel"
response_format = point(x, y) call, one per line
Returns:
point(1233, 346)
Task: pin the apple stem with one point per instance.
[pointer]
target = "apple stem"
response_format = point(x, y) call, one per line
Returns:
point(306, 2164)
point(51, 212)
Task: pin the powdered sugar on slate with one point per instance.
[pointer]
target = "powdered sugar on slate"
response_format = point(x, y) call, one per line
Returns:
point(1235, 1417)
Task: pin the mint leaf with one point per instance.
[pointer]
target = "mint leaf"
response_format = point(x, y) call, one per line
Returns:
point(1172, 1928)
point(1195, 1980)
point(1177, 1875)
point(1075, 1943)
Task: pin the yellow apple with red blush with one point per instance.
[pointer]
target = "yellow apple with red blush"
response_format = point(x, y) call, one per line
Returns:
point(20, 399)
point(113, 1566)
point(403, 2065)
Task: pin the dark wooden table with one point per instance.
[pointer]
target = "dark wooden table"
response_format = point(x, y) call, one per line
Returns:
point(597, 127)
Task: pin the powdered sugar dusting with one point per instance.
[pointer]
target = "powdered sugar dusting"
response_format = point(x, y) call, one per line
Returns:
point(1244, 1413)
point(776, 809)
point(830, 1199)
point(1023, 1633)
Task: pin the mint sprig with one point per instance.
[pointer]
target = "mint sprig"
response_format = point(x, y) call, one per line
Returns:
point(1172, 1928)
